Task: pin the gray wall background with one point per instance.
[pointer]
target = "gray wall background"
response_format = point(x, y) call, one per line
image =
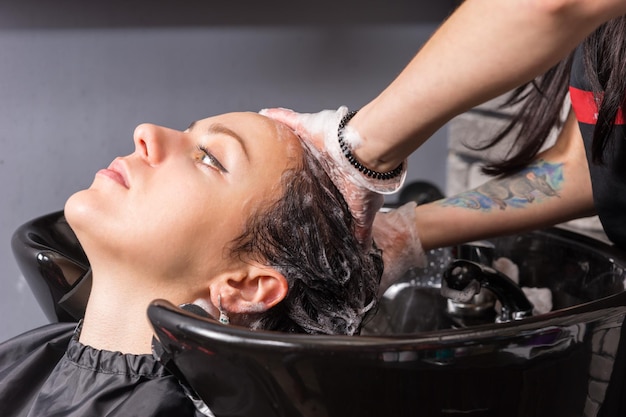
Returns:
point(75, 80)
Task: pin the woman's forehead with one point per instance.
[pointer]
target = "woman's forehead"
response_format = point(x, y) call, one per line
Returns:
point(253, 124)
point(260, 134)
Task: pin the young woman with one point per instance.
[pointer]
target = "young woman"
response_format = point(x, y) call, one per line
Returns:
point(232, 214)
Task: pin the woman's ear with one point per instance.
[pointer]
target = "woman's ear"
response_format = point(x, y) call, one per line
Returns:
point(257, 290)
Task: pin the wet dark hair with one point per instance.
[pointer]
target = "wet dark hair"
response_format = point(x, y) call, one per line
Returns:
point(308, 236)
point(542, 100)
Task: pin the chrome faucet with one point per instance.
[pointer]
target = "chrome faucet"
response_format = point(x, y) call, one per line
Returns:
point(463, 280)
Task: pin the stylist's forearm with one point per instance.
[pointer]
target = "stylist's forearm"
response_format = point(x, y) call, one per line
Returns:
point(557, 188)
point(486, 48)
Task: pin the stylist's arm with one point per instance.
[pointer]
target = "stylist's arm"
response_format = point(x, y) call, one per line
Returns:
point(485, 48)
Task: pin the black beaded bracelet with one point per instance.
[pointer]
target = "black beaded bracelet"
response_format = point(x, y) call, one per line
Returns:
point(355, 163)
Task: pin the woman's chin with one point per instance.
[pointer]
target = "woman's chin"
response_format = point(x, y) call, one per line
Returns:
point(76, 210)
point(83, 215)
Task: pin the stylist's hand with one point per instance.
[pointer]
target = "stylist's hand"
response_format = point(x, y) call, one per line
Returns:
point(320, 131)
point(395, 233)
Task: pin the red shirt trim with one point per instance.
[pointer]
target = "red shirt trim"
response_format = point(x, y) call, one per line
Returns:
point(586, 107)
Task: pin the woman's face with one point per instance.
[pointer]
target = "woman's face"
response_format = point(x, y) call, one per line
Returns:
point(182, 196)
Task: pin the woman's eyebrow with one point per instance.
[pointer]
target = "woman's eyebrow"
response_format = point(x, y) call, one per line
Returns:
point(218, 128)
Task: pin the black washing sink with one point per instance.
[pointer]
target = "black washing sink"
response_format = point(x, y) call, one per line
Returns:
point(415, 359)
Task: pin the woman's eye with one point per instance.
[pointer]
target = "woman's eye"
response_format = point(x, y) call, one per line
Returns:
point(207, 158)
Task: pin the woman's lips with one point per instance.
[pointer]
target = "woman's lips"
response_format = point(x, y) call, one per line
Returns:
point(117, 172)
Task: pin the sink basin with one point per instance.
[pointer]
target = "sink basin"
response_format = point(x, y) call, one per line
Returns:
point(413, 359)
point(576, 269)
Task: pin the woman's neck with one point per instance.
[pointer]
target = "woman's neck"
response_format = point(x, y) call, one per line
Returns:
point(116, 318)
point(115, 322)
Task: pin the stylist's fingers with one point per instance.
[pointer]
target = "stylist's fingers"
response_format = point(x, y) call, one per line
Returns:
point(296, 121)
point(315, 128)
point(395, 233)
point(286, 116)
point(363, 205)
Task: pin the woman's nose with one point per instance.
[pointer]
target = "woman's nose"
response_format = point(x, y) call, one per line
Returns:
point(151, 142)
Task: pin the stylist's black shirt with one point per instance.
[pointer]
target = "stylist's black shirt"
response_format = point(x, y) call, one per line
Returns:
point(608, 180)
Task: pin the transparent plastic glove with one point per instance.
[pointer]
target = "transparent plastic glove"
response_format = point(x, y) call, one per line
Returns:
point(363, 194)
point(395, 233)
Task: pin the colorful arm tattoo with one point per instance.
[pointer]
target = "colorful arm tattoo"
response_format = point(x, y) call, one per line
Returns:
point(536, 183)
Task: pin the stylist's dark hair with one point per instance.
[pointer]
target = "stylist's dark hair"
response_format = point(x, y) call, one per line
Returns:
point(308, 235)
point(542, 100)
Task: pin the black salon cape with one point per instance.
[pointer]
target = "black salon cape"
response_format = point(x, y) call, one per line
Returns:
point(47, 373)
